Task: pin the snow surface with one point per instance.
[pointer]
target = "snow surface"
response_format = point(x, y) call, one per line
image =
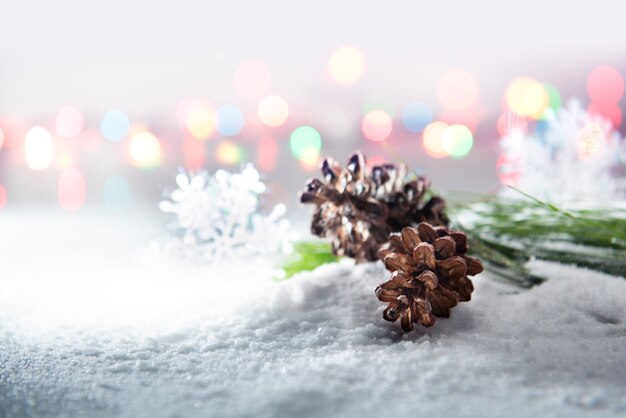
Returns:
point(86, 330)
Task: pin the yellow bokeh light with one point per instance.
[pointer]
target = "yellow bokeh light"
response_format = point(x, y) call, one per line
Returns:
point(38, 148)
point(457, 89)
point(145, 149)
point(200, 122)
point(229, 153)
point(273, 111)
point(527, 97)
point(346, 65)
point(196, 116)
point(433, 139)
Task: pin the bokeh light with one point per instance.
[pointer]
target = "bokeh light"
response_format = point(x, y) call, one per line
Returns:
point(1, 138)
point(416, 116)
point(13, 130)
point(433, 139)
point(117, 194)
point(69, 122)
point(145, 150)
point(229, 120)
point(273, 111)
point(252, 80)
point(228, 152)
point(38, 148)
point(457, 89)
point(346, 65)
point(527, 97)
point(470, 116)
point(612, 112)
point(267, 150)
point(554, 97)
point(591, 141)
point(72, 189)
point(510, 122)
point(605, 85)
point(115, 125)
point(306, 143)
point(457, 141)
point(3, 196)
point(377, 126)
point(197, 117)
point(194, 154)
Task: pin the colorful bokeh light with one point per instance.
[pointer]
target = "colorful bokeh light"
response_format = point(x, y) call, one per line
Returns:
point(527, 97)
point(13, 130)
point(306, 143)
point(273, 111)
point(69, 122)
point(1, 138)
point(470, 117)
point(510, 123)
point(346, 65)
point(117, 194)
point(196, 117)
point(229, 120)
point(612, 112)
point(267, 150)
point(115, 125)
point(554, 97)
point(38, 148)
point(605, 85)
point(252, 80)
point(377, 126)
point(433, 139)
point(416, 116)
point(228, 152)
point(194, 154)
point(457, 89)
point(72, 189)
point(457, 141)
point(145, 150)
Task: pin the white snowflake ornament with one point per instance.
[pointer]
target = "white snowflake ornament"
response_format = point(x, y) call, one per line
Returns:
point(218, 218)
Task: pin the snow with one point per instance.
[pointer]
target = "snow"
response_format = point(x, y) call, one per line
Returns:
point(87, 330)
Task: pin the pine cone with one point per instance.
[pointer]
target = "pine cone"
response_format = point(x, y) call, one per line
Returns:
point(429, 274)
point(357, 208)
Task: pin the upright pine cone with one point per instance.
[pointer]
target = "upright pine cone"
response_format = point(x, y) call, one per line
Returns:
point(357, 208)
point(429, 274)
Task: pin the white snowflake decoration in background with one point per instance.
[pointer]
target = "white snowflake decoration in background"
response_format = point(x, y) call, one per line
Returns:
point(572, 157)
point(218, 219)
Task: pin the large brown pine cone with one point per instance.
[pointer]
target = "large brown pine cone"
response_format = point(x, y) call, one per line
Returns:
point(357, 207)
point(429, 269)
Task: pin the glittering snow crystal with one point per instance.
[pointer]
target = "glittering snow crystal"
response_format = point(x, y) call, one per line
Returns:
point(571, 156)
point(218, 219)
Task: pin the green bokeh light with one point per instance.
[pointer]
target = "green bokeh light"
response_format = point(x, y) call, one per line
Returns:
point(457, 141)
point(305, 142)
point(554, 97)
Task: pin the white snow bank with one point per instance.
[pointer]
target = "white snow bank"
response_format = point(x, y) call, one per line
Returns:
point(314, 346)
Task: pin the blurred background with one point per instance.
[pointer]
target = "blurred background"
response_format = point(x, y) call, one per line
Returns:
point(101, 103)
